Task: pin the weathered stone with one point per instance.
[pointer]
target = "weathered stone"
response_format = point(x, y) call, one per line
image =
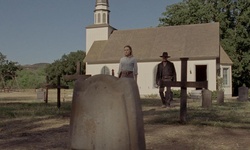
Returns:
point(106, 115)
point(196, 94)
point(243, 93)
point(40, 94)
point(220, 97)
point(206, 98)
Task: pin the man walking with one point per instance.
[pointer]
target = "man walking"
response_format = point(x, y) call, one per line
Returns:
point(165, 72)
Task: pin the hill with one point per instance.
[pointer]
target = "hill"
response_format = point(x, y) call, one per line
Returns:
point(35, 66)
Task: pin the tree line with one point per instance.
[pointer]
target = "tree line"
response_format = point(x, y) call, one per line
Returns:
point(14, 76)
point(8, 71)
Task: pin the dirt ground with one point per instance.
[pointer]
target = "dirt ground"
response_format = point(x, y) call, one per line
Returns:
point(53, 133)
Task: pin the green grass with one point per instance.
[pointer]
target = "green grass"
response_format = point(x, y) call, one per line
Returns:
point(17, 110)
point(231, 114)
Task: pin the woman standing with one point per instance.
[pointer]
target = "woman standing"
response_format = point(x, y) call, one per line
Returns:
point(128, 64)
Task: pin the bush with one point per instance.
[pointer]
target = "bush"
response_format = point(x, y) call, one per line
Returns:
point(176, 93)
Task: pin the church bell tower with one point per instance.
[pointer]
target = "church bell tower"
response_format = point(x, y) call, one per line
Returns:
point(101, 13)
point(101, 29)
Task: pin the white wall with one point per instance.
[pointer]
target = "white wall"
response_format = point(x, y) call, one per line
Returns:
point(97, 34)
point(146, 74)
point(95, 69)
point(146, 78)
point(211, 72)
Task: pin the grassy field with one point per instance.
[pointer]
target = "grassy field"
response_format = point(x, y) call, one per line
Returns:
point(28, 123)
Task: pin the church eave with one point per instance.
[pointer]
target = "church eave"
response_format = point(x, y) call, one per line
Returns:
point(99, 25)
point(146, 60)
point(227, 63)
point(102, 10)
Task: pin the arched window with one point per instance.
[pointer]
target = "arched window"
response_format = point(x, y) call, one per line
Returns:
point(107, 18)
point(104, 18)
point(99, 18)
point(105, 70)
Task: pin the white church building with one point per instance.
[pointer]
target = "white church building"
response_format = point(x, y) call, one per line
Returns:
point(198, 42)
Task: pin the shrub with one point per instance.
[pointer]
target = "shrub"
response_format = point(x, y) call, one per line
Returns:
point(176, 93)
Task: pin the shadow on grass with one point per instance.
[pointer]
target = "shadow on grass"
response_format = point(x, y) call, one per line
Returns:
point(23, 134)
point(17, 98)
point(231, 114)
point(22, 125)
point(17, 110)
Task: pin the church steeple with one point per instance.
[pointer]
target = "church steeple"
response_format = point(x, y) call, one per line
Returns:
point(101, 13)
point(100, 30)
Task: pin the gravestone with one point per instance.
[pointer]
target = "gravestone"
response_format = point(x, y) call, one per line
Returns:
point(106, 114)
point(220, 97)
point(243, 93)
point(40, 94)
point(195, 94)
point(206, 98)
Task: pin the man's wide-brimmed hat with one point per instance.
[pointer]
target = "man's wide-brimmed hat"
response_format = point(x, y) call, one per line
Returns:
point(165, 55)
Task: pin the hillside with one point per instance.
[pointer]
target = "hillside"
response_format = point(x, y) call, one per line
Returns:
point(35, 66)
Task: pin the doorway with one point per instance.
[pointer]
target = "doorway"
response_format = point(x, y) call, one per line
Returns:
point(201, 73)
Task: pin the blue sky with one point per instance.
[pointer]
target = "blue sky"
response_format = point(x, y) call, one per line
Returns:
point(41, 31)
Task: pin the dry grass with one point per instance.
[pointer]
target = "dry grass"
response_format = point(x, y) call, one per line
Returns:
point(27, 123)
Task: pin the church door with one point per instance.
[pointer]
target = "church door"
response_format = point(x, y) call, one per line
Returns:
point(201, 73)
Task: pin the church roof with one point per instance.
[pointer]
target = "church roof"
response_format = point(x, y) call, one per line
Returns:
point(224, 58)
point(197, 41)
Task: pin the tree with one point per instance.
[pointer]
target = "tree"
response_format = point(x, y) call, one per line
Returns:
point(31, 79)
point(8, 71)
point(234, 18)
point(65, 66)
point(187, 12)
point(241, 53)
point(2, 59)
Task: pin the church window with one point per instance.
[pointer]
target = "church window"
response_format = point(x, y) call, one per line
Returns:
point(225, 72)
point(108, 18)
point(104, 18)
point(99, 18)
point(105, 70)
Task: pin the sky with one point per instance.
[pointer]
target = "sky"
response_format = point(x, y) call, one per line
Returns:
point(42, 31)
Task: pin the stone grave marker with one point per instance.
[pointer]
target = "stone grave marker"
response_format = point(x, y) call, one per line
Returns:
point(196, 94)
point(206, 98)
point(220, 97)
point(106, 114)
point(243, 93)
point(40, 94)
